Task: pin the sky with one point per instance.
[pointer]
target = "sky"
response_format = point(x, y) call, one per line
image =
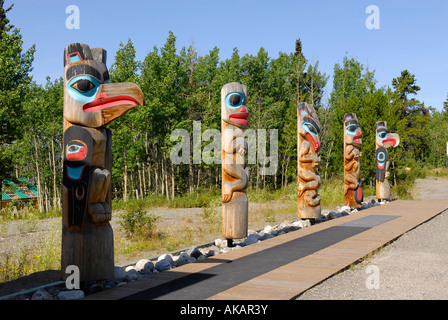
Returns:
point(412, 34)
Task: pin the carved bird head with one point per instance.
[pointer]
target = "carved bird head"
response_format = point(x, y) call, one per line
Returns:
point(384, 138)
point(308, 124)
point(89, 98)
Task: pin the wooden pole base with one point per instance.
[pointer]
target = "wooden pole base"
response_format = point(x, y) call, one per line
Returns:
point(306, 212)
point(235, 216)
point(91, 250)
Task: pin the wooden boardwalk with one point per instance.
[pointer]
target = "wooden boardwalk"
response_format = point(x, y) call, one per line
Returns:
point(283, 267)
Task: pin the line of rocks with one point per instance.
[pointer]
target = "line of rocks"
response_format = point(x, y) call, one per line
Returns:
point(164, 262)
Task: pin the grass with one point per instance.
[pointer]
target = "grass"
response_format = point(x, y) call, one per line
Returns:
point(24, 259)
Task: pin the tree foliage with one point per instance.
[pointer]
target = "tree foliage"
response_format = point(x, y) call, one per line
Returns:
point(182, 91)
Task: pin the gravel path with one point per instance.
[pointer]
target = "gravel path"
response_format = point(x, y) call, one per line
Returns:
point(412, 267)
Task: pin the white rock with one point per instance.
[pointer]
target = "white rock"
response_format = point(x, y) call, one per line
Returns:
point(345, 209)
point(144, 266)
point(268, 229)
point(306, 223)
point(71, 295)
point(220, 243)
point(129, 268)
point(41, 294)
point(300, 223)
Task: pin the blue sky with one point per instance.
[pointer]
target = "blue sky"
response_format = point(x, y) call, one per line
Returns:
point(412, 34)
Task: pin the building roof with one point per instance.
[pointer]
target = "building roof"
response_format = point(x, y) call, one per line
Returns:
point(20, 189)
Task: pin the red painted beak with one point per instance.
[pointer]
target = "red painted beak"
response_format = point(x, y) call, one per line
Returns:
point(390, 141)
point(240, 117)
point(357, 137)
point(314, 143)
point(102, 101)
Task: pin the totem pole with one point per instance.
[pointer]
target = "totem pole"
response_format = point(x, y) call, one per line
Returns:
point(90, 103)
point(308, 144)
point(384, 140)
point(235, 175)
point(352, 142)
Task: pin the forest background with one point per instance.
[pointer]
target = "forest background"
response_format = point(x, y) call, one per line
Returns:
point(180, 87)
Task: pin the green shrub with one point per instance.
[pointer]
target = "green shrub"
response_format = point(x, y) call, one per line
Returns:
point(136, 223)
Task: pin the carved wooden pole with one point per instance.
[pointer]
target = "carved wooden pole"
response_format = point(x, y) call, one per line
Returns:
point(352, 179)
point(90, 103)
point(308, 144)
point(235, 176)
point(384, 140)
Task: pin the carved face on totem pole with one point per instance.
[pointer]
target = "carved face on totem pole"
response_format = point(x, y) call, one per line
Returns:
point(383, 141)
point(352, 130)
point(308, 127)
point(353, 195)
point(233, 107)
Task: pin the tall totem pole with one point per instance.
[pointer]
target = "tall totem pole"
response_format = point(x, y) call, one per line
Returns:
point(90, 103)
point(384, 140)
point(235, 175)
point(352, 178)
point(308, 144)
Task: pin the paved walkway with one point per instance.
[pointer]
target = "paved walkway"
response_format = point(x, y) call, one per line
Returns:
point(286, 266)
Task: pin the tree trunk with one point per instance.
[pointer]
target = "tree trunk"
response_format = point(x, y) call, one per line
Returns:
point(140, 189)
point(191, 176)
point(56, 200)
point(172, 181)
point(125, 189)
point(39, 188)
point(163, 176)
point(156, 171)
point(199, 178)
